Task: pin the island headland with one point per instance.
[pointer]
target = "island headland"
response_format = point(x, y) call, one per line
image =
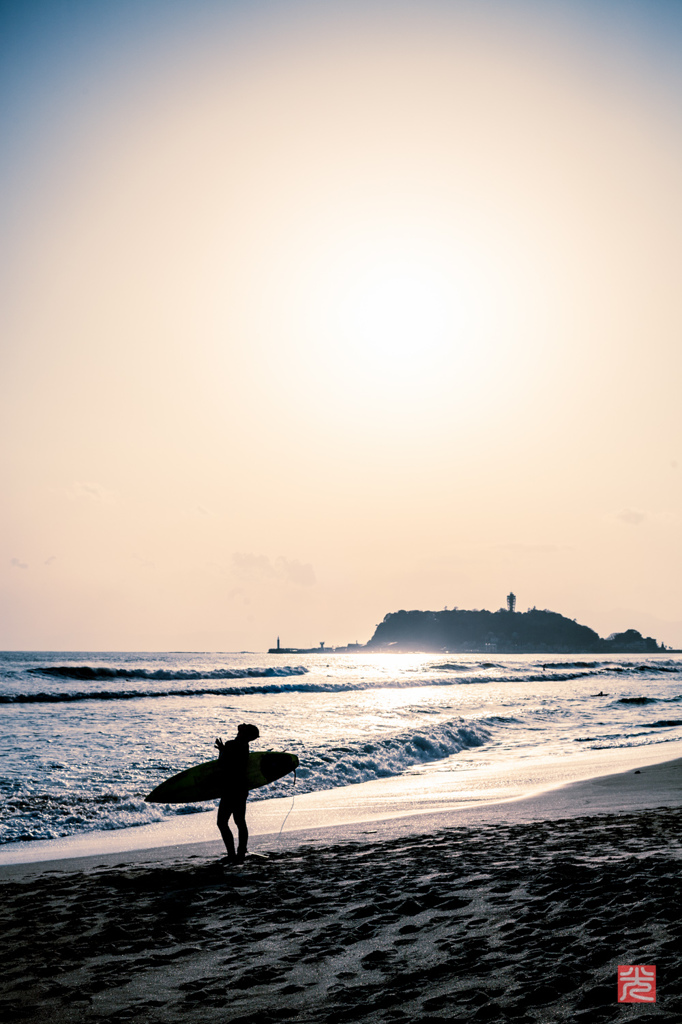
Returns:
point(503, 631)
point(506, 631)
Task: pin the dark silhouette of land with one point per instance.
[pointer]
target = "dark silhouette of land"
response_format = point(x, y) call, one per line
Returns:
point(504, 632)
point(299, 650)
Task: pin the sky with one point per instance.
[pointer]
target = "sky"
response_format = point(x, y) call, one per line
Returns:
point(311, 312)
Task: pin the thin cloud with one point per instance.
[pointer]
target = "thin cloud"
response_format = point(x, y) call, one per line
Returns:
point(18, 564)
point(631, 516)
point(258, 568)
point(144, 562)
point(91, 491)
point(295, 572)
point(532, 549)
point(50, 560)
point(252, 567)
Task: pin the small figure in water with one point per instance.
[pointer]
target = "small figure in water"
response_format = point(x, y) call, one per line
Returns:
point(233, 760)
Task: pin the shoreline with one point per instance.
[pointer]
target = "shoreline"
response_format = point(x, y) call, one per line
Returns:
point(491, 921)
point(653, 785)
point(520, 910)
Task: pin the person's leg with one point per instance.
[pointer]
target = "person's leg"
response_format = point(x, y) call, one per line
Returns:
point(239, 814)
point(224, 812)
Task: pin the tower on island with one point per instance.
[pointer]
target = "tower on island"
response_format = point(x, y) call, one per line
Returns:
point(511, 602)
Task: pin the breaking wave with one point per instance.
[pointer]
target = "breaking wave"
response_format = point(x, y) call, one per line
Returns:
point(638, 700)
point(465, 667)
point(573, 664)
point(649, 700)
point(390, 755)
point(27, 815)
point(69, 696)
point(90, 674)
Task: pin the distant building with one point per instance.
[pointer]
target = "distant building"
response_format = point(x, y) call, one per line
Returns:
point(511, 602)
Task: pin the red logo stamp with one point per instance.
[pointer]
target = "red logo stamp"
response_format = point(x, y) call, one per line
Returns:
point(637, 984)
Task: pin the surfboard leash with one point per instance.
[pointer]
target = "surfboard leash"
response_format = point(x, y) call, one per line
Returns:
point(290, 809)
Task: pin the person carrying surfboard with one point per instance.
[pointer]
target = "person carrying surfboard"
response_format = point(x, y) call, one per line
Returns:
point(233, 762)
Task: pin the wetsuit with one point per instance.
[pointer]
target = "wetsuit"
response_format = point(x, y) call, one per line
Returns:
point(233, 761)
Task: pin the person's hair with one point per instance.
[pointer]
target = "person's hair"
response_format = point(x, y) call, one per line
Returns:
point(248, 732)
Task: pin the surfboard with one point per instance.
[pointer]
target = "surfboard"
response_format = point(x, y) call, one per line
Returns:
point(204, 782)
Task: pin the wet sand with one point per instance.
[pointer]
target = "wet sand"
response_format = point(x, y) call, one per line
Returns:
point(525, 917)
point(521, 790)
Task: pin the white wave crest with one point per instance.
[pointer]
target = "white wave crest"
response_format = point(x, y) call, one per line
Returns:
point(385, 756)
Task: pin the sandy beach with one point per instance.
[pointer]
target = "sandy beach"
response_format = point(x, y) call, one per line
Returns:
point(520, 912)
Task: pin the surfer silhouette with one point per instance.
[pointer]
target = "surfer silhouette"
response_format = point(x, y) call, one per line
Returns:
point(233, 762)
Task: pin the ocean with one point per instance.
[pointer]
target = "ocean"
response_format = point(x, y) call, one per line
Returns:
point(86, 735)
